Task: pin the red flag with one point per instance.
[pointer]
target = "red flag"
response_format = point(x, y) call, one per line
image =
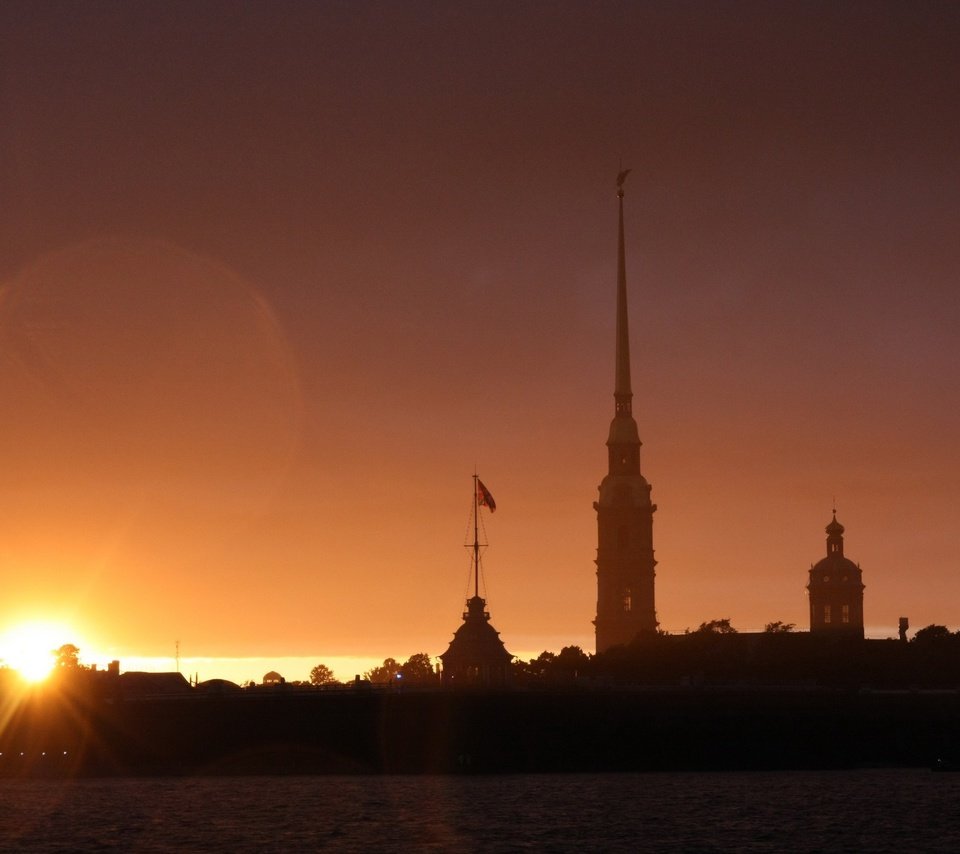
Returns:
point(484, 498)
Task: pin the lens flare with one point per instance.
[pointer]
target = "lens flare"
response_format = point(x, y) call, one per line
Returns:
point(30, 648)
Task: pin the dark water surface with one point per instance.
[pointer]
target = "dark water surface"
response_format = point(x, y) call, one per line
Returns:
point(875, 810)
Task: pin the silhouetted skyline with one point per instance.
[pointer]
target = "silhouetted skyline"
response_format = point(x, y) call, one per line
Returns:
point(276, 279)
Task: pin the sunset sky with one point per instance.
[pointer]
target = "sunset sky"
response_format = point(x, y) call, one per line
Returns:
point(275, 277)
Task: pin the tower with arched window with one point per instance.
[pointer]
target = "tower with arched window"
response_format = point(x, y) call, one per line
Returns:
point(836, 589)
point(625, 562)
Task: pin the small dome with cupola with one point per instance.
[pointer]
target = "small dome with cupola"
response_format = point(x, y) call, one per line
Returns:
point(836, 589)
point(834, 529)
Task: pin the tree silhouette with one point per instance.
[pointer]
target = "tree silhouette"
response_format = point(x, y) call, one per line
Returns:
point(572, 661)
point(716, 627)
point(386, 672)
point(544, 662)
point(779, 627)
point(418, 669)
point(67, 656)
point(322, 675)
point(932, 634)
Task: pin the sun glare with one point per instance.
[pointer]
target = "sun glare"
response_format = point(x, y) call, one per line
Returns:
point(29, 648)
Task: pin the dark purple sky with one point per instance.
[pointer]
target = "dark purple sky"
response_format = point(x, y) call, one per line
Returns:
point(278, 275)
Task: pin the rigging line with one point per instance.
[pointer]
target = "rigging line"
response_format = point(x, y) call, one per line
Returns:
point(483, 528)
point(466, 530)
point(468, 544)
point(467, 579)
point(483, 548)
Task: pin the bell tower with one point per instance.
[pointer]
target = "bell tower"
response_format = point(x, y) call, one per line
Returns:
point(836, 589)
point(625, 562)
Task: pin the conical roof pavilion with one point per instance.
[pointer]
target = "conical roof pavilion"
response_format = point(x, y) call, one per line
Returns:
point(476, 655)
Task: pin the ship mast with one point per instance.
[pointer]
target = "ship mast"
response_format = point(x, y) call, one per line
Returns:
point(476, 655)
point(476, 536)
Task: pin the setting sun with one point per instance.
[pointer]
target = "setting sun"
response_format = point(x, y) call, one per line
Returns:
point(29, 647)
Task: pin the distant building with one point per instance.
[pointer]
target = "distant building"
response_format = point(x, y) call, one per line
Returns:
point(136, 683)
point(625, 562)
point(218, 686)
point(836, 589)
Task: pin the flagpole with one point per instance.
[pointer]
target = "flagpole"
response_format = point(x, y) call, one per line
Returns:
point(476, 537)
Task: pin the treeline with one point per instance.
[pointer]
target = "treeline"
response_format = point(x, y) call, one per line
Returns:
point(416, 670)
point(716, 654)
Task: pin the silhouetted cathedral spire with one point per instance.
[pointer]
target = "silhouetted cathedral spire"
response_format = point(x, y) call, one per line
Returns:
point(625, 562)
point(623, 394)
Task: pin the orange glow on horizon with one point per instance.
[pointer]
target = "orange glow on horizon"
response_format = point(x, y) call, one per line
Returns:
point(30, 647)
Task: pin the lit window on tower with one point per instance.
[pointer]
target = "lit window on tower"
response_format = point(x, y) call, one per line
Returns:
point(845, 614)
point(826, 613)
point(627, 600)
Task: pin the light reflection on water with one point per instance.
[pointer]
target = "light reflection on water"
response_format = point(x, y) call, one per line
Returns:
point(875, 810)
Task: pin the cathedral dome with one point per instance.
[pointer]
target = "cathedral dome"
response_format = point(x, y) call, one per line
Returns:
point(835, 567)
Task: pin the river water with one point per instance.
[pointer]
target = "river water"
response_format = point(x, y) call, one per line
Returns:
point(870, 810)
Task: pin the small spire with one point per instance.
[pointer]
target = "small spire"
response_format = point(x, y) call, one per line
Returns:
point(834, 535)
point(835, 527)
